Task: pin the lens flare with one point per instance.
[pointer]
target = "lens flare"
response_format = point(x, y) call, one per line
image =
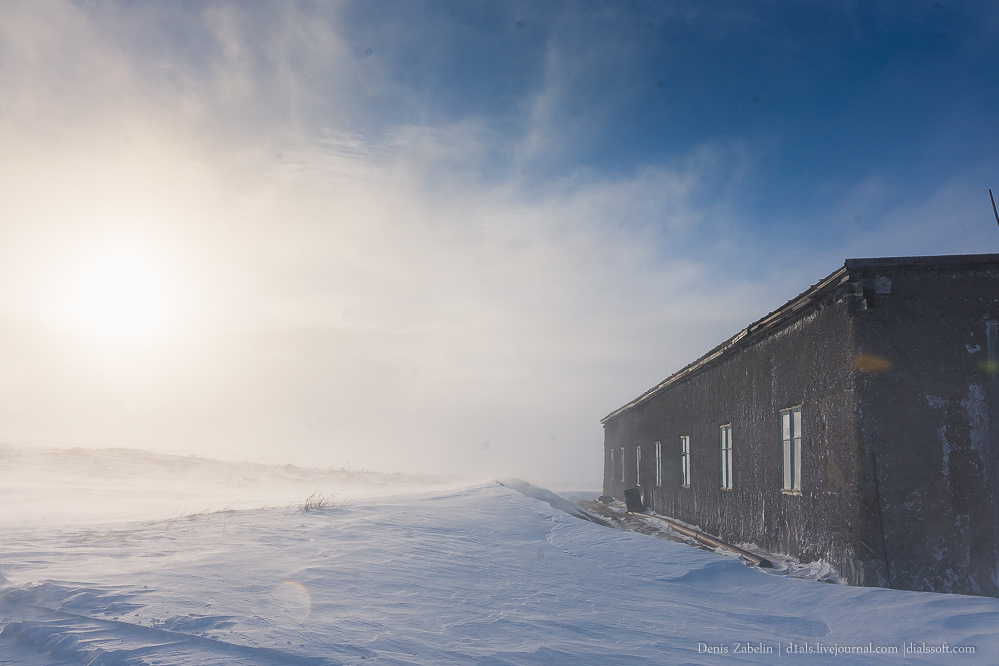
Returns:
point(293, 598)
point(871, 363)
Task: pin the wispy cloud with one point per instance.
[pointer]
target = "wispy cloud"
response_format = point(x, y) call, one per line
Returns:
point(362, 276)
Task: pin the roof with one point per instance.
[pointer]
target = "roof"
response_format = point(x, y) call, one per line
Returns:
point(804, 301)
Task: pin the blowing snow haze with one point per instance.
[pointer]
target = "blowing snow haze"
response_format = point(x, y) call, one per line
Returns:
point(448, 237)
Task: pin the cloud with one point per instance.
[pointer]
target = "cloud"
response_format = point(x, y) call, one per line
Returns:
point(361, 276)
point(417, 313)
point(359, 300)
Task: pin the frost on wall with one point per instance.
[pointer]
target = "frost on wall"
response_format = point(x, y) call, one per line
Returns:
point(966, 457)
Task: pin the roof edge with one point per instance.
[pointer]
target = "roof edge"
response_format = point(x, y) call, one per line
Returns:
point(802, 301)
point(932, 261)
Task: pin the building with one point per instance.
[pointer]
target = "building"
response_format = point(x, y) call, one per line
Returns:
point(856, 424)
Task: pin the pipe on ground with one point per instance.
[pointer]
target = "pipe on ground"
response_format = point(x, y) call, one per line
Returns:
point(709, 540)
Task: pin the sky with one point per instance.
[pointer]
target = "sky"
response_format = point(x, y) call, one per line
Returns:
point(449, 237)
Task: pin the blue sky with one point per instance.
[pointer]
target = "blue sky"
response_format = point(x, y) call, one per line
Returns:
point(449, 235)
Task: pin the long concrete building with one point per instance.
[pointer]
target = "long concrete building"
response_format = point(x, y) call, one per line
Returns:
point(857, 424)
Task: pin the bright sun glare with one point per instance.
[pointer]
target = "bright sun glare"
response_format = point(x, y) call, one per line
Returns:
point(120, 295)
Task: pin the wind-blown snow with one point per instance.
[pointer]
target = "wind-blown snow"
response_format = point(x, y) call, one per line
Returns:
point(553, 500)
point(479, 574)
point(58, 486)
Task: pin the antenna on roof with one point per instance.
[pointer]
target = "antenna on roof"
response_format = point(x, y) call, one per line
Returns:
point(994, 211)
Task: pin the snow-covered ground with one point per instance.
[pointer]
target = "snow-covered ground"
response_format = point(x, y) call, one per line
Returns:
point(421, 571)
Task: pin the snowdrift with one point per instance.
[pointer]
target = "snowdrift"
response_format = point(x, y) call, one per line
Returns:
point(477, 574)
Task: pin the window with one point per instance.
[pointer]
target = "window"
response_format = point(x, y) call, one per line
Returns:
point(685, 460)
point(622, 464)
point(613, 469)
point(726, 457)
point(638, 465)
point(659, 463)
point(790, 421)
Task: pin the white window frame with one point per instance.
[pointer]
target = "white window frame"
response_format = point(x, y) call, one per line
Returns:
point(685, 460)
point(726, 456)
point(659, 464)
point(622, 464)
point(790, 426)
point(613, 466)
point(638, 465)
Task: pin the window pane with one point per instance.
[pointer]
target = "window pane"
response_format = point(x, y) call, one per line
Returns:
point(797, 463)
point(723, 461)
point(787, 465)
point(791, 448)
point(638, 465)
point(659, 463)
point(726, 442)
point(728, 483)
point(685, 459)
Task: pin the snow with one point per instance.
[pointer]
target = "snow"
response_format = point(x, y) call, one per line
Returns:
point(53, 486)
point(476, 573)
point(781, 564)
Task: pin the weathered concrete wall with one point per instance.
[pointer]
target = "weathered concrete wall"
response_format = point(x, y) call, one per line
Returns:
point(620, 438)
point(927, 401)
point(895, 364)
point(808, 362)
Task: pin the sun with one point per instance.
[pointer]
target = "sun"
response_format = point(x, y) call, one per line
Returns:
point(120, 294)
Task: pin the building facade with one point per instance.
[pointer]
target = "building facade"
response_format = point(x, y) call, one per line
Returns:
point(856, 424)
